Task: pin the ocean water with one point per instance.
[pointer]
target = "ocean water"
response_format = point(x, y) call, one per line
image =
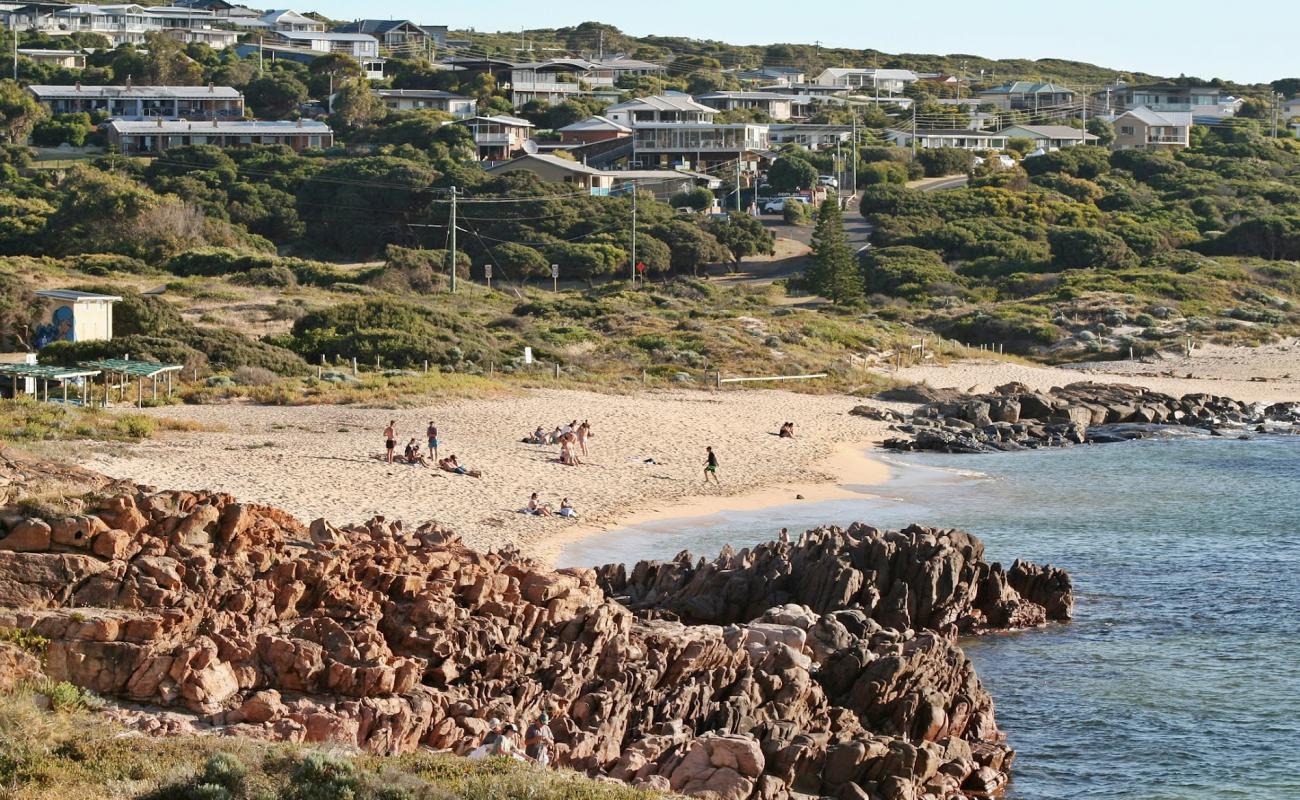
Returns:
point(1179, 677)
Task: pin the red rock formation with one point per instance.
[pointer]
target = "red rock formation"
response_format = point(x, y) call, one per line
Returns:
point(833, 674)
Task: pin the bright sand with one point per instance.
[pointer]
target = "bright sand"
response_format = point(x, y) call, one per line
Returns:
point(317, 461)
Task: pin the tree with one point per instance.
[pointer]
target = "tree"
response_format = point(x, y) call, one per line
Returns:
point(355, 106)
point(698, 199)
point(19, 112)
point(357, 205)
point(790, 174)
point(275, 95)
point(690, 245)
point(331, 71)
point(743, 235)
point(167, 63)
point(903, 271)
point(833, 274)
point(1103, 130)
point(940, 161)
point(1087, 248)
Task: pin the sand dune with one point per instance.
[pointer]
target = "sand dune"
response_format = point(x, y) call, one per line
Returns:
point(316, 461)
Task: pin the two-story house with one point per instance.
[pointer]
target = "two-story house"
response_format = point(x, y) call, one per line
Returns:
point(458, 106)
point(498, 138)
point(1208, 102)
point(1028, 96)
point(397, 37)
point(560, 79)
point(139, 102)
point(1144, 129)
point(124, 23)
point(773, 76)
point(593, 129)
point(156, 136)
point(673, 129)
point(284, 20)
point(868, 81)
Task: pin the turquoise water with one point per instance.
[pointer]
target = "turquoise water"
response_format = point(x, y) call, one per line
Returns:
point(1180, 675)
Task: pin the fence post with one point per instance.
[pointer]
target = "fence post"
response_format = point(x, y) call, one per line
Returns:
point(718, 379)
point(557, 370)
point(354, 366)
point(426, 365)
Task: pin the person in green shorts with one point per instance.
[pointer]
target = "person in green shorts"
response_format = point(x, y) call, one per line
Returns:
point(711, 465)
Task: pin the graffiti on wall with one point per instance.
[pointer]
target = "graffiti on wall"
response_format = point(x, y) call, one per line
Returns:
point(57, 328)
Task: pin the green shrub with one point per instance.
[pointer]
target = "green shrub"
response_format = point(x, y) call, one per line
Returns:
point(24, 639)
point(321, 777)
point(940, 161)
point(797, 212)
point(908, 272)
point(1089, 248)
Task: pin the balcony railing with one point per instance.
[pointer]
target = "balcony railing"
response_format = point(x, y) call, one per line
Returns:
point(1166, 139)
point(492, 138)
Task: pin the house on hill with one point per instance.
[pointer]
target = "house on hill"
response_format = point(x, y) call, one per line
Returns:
point(396, 36)
point(499, 138)
point(870, 81)
point(1144, 129)
point(1028, 96)
point(1050, 137)
point(593, 129)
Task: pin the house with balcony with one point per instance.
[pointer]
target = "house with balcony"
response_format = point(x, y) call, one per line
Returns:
point(593, 129)
point(458, 106)
point(777, 107)
point(960, 138)
point(1203, 102)
point(561, 79)
point(1291, 108)
point(141, 102)
point(1144, 129)
point(701, 146)
point(120, 24)
point(67, 59)
point(776, 76)
point(1028, 96)
point(813, 137)
point(157, 136)
point(1050, 137)
point(397, 37)
point(499, 138)
point(667, 107)
point(283, 20)
point(867, 81)
point(373, 68)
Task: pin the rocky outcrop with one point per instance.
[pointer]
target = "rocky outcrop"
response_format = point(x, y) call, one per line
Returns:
point(1014, 417)
point(823, 667)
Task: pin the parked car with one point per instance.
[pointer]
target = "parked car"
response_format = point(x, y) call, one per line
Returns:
point(773, 205)
point(828, 180)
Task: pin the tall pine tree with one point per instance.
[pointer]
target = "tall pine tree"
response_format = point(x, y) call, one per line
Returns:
point(834, 272)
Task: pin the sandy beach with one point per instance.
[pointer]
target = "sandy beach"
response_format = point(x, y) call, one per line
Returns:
point(316, 461)
point(1267, 374)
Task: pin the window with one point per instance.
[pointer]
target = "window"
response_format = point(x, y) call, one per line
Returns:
point(1126, 130)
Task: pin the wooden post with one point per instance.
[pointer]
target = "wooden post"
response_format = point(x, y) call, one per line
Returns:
point(319, 370)
point(643, 377)
point(426, 365)
point(717, 379)
point(64, 383)
point(376, 363)
point(154, 380)
point(557, 370)
point(354, 366)
point(139, 393)
point(169, 385)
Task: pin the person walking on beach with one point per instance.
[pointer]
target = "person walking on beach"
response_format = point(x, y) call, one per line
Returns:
point(390, 439)
point(711, 465)
point(432, 433)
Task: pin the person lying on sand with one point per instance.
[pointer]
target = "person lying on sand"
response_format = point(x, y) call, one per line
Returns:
point(537, 508)
point(537, 437)
point(450, 464)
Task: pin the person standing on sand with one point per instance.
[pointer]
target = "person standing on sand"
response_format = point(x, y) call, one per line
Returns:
point(390, 439)
point(584, 430)
point(432, 433)
point(711, 466)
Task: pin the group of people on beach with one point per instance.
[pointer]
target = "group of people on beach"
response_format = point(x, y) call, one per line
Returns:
point(539, 509)
point(502, 739)
point(412, 453)
point(572, 439)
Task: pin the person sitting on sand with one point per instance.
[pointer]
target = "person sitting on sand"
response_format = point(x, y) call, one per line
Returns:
point(787, 431)
point(567, 510)
point(390, 439)
point(413, 455)
point(711, 465)
point(537, 508)
point(538, 437)
point(450, 464)
point(554, 438)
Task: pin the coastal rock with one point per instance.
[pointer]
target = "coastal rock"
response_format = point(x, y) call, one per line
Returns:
point(825, 666)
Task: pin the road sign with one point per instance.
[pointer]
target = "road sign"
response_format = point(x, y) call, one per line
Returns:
point(487, 271)
point(555, 270)
point(640, 267)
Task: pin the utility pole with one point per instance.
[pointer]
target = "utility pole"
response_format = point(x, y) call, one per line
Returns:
point(913, 130)
point(737, 185)
point(1276, 97)
point(1083, 135)
point(259, 54)
point(453, 240)
point(632, 266)
point(853, 148)
point(15, 51)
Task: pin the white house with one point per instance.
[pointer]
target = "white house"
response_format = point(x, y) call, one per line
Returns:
point(1144, 129)
point(458, 106)
point(873, 81)
point(666, 107)
point(960, 138)
point(1050, 137)
point(777, 107)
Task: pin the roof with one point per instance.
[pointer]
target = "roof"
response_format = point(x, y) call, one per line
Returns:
point(326, 36)
point(174, 92)
point(36, 51)
point(571, 63)
point(895, 74)
point(669, 101)
point(422, 94)
point(74, 296)
point(1052, 131)
point(285, 126)
point(555, 161)
point(953, 132)
point(629, 64)
point(1029, 87)
point(1160, 118)
point(500, 119)
point(46, 372)
point(277, 15)
point(375, 26)
point(596, 123)
point(127, 366)
point(745, 96)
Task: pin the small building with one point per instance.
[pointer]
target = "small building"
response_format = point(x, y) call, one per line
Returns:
point(139, 102)
point(1291, 108)
point(1144, 129)
point(1050, 137)
point(960, 138)
point(669, 107)
point(554, 169)
point(780, 76)
point(813, 137)
point(372, 67)
point(663, 183)
point(1028, 96)
point(458, 106)
point(75, 317)
point(68, 59)
point(593, 129)
point(700, 145)
point(161, 135)
point(282, 20)
point(777, 107)
point(499, 138)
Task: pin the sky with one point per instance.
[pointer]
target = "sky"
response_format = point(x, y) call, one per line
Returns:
point(1249, 41)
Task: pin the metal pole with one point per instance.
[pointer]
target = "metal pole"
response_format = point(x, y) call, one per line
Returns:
point(913, 131)
point(632, 265)
point(453, 240)
point(737, 187)
point(853, 150)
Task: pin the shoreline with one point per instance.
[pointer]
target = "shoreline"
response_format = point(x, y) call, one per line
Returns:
point(850, 464)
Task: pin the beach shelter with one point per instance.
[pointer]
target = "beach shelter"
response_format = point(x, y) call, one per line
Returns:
point(125, 369)
point(42, 375)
